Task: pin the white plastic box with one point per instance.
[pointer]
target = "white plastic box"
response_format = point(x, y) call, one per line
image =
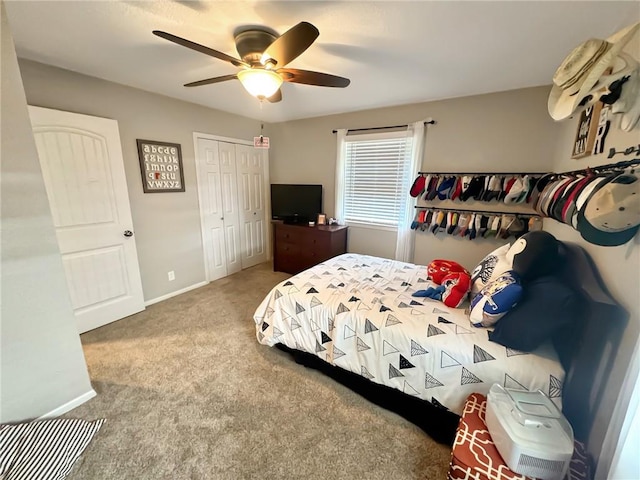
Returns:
point(531, 434)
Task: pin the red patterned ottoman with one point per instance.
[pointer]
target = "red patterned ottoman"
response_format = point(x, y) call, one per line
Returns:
point(475, 457)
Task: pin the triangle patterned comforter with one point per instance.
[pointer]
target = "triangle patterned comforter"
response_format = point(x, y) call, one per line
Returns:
point(357, 313)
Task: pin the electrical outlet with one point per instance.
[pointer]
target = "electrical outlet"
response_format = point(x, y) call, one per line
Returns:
point(171, 275)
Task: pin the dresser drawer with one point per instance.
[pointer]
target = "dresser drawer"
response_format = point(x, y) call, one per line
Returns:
point(288, 233)
point(298, 247)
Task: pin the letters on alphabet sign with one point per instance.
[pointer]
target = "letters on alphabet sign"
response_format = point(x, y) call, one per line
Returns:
point(161, 166)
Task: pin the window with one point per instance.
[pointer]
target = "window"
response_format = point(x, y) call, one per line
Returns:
point(376, 171)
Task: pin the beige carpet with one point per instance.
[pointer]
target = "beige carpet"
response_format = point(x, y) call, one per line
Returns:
point(188, 393)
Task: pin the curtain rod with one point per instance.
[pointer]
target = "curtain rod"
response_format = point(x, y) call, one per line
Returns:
point(428, 122)
point(483, 212)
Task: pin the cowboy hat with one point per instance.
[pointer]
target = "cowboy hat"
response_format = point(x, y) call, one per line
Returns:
point(582, 73)
point(628, 105)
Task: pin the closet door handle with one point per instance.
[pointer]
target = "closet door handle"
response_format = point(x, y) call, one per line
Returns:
point(128, 233)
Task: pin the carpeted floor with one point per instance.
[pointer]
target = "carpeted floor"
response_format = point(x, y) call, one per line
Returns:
point(188, 393)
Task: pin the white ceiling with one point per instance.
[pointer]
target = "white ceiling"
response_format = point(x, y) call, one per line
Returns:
point(393, 52)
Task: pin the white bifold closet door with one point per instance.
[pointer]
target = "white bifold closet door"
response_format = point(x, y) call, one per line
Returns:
point(231, 189)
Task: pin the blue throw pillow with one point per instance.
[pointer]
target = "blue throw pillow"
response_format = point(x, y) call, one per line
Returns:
point(548, 307)
point(495, 299)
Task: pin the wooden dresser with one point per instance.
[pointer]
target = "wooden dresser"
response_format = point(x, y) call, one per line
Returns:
point(298, 247)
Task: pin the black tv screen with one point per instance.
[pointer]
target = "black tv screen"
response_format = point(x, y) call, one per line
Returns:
point(297, 203)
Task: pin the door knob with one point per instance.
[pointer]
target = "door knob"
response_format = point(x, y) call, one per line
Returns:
point(128, 233)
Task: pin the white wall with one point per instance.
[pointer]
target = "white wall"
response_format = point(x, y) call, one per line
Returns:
point(619, 266)
point(42, 365)
point(507, 131)
point(167, 225)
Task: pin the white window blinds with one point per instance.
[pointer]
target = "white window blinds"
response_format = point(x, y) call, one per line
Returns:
point(376, 178)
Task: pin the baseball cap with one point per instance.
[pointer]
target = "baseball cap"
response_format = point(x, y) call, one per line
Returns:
point(584, 195)
point(560, 198)
point(474, 188)
point(432, 190)
point(611, 216)
point(418, 186)
point(517, 188)
point(457, 189)
point(517, 227)
point(463, 224)
point(571, 196)
point(445, 186)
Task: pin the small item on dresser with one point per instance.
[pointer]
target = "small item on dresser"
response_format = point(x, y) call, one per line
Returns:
point(312, 224)
point(531, 434)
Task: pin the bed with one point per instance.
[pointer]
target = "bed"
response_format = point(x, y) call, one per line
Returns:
point(354, 318)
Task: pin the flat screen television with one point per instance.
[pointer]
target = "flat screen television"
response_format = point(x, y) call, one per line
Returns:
point(295, 203)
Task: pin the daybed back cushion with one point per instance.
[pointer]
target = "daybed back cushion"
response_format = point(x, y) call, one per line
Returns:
point(548, 310)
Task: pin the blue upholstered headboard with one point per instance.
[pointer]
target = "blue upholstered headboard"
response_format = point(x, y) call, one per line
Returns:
point(596, 343)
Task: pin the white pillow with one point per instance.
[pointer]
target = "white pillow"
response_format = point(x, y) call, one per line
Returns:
point(490, 268)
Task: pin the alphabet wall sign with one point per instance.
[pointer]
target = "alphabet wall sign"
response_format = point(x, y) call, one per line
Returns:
point(587, 131)
point(160, 166)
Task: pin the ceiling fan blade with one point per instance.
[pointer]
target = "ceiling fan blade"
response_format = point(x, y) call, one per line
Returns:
point(209, 81)
point(313, 78)
point(200, 48)
point(276, 97)
point(290, 44)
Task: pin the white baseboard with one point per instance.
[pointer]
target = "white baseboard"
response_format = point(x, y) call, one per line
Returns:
point(70, 405)
point(173, 294)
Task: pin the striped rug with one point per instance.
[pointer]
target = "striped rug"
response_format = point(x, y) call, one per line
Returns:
point(43, 450)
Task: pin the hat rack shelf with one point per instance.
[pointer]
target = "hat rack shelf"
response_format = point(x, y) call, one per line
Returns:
point(474, 230)
point(475, 174)
point(480, 212)
point(597, 169)
point(549, 208)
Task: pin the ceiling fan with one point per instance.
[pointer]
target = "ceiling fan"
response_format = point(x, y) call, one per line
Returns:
point(263, 56)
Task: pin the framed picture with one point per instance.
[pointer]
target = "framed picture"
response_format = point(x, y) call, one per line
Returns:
point(322, 219)
point(587, 130)
point(160, 166)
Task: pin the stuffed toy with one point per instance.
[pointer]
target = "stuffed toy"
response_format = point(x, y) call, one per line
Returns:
point(438, 269)
point(452, 292)
point(534, 255)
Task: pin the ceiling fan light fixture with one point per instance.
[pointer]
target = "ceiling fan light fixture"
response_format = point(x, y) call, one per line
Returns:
point(259, 82)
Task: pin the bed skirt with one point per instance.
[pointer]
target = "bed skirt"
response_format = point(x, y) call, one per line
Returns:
point(438, 422)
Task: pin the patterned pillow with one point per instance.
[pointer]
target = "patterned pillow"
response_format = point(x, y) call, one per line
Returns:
point(490, 268)
point(495, 300)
